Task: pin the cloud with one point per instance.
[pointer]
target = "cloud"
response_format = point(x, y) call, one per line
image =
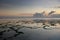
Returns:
point(57, 7)
point(28, 3)
point(5, 6)
point(51, 12)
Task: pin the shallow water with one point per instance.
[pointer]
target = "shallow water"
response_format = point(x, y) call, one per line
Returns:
point(17, 30)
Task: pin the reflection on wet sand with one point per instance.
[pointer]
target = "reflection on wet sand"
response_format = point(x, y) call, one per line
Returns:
point(15, 27)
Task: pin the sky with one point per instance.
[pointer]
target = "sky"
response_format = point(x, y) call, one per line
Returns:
point(27, 7)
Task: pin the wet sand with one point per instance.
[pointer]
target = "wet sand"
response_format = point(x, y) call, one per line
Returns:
point(28, 30)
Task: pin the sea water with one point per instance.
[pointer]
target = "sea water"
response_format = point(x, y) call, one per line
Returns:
point(27, 31)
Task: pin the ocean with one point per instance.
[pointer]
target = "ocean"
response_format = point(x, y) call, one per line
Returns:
point(23, 29)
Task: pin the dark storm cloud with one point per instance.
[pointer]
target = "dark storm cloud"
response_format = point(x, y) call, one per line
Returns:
point(28, 3)
point(16, 2)
point(19, 3)
point(13, 3)
point(58, 7)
